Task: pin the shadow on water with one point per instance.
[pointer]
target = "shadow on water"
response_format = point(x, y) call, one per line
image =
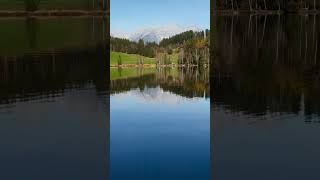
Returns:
point(39, 34)
point(54, 103)
point(262, 65)
point(265, 106)
point(31, 76)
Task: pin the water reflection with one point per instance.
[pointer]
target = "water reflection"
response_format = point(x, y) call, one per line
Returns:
point(30, 75)
point(265, 82)
point(54, 108)
point(189, 82)
point(160, 124)
point(21, 35)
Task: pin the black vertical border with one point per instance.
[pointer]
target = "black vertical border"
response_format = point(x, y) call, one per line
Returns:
point(211, 73)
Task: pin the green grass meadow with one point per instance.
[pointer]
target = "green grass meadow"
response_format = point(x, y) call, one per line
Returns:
point(134, 58)
point(129, 58)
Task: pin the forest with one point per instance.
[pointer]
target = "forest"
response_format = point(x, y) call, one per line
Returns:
point(131, 47)
point(260, 5)
point(190, 47)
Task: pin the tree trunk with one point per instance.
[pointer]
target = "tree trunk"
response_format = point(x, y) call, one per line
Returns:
point(277, 53)
point(250, 5)
point(232, 4)
point(264, 27)
point(316, 52)
point(306, 49)
point(231, 39)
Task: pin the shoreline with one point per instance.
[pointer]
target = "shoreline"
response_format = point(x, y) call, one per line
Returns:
point(150, 65)
point(49, 13)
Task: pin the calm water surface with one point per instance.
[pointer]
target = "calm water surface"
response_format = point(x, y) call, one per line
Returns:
point(266, 98)
point(159, 124)
point(54, 106)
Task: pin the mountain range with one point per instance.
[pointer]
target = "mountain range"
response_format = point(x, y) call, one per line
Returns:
point(156, 95)
point(154, 34)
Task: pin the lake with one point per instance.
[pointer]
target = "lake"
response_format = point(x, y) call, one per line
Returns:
point(160, 123)
point(61, 117)
point(266, 105)
point(54, 103)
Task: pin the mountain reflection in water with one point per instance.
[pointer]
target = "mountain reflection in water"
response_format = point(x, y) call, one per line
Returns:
point(160, 124)
point(189, 82)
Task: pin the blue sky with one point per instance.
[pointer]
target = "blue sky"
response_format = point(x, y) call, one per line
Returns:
point(131, 15)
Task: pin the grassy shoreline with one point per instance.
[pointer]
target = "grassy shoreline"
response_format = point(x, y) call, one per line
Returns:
point(119, 59)
point(125, 73)
point(128, 59)
point(151, 65)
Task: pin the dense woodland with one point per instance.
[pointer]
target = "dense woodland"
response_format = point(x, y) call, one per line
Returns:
point(254, 5)
point(131, 47)
point(190, 47)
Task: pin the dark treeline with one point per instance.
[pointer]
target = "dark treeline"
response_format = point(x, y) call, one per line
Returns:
point(190, 47)
point(256, 5)
point(179, 39)
point(193, 47)
point(131, 47)
point(259, 70)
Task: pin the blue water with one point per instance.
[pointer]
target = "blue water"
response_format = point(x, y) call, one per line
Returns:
point(156, 134)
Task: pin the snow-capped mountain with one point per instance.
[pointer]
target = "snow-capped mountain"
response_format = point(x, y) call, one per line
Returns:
point(119, 34)
point(154, 95)
point(155, 34)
